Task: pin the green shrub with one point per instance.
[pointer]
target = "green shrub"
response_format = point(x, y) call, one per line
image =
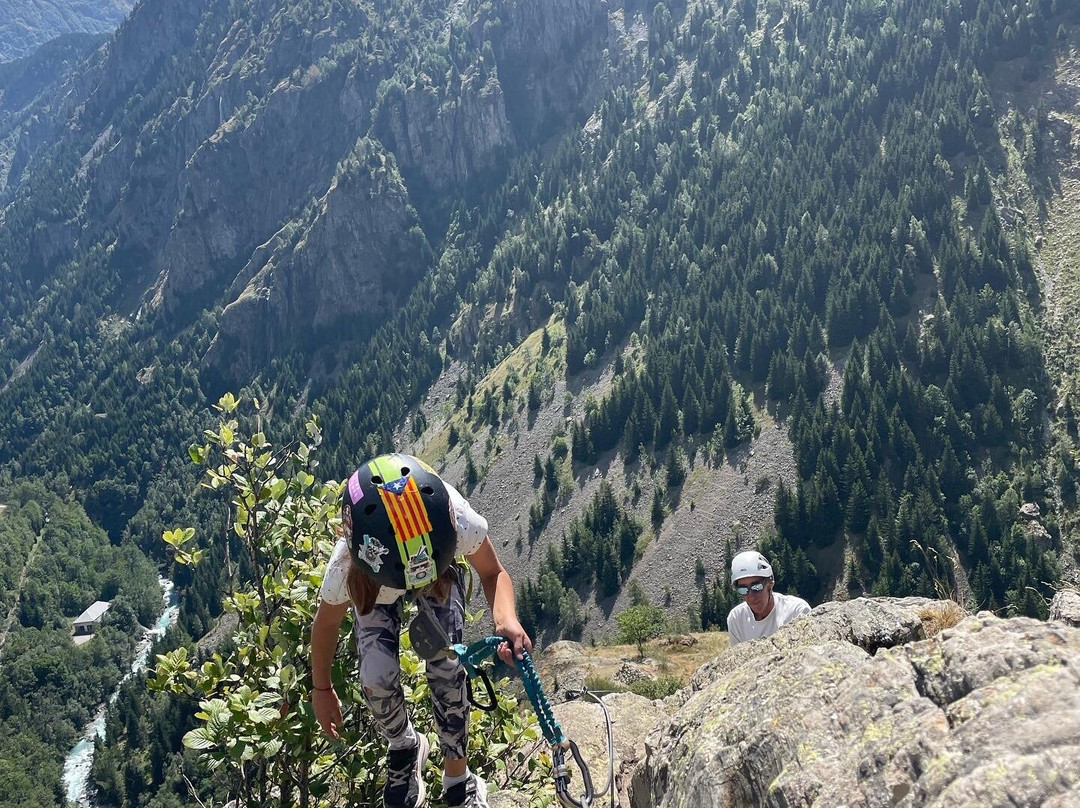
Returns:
point(657, 688)
point(255, 721)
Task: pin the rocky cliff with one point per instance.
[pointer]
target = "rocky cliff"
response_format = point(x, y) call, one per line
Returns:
point(863, 703)
point(555, 57)
point(346, 262)
point(444, 143)
point(202, 132)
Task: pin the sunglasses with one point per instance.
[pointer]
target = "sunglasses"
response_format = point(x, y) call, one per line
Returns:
point(746, 590)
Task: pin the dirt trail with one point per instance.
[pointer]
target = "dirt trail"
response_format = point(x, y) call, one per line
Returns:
point(18, 592)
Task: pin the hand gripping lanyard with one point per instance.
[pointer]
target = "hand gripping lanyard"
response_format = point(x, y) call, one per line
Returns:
point(471, 658)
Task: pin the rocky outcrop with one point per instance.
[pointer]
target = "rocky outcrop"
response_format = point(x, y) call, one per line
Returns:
point(508, 799)
point(854, 706)
point(565, 666)
point(350, 260)
point(535, 67)
point(281, 154)
point(553, 58)
point(632, 717)
point(872, 702)
point(582, 720)
point(1065, 607)
point(443, 143)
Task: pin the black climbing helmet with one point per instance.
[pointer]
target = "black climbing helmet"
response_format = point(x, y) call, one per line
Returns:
point(398, 522)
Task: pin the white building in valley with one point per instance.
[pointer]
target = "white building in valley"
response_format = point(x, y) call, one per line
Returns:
point(84, 623)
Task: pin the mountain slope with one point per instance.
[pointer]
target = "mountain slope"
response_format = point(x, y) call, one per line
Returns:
point(26, 24)
point(1040, 189)
point(653, 282)
point(740, 217)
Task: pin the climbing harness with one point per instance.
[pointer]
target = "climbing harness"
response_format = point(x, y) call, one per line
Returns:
point(472, 656)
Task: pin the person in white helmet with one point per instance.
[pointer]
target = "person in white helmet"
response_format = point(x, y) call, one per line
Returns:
point(762, 611)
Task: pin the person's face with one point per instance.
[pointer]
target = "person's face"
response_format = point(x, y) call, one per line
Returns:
point(755, 591)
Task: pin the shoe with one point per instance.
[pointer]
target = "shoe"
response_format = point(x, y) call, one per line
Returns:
point(471, 793)
point(405, 776)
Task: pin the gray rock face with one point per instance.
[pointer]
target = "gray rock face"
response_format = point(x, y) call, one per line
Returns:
point(582, 720)
point(631, 672)
point(566, 666)
point(508, 799)
point(986, 713)
point(281, 155)
point(447, 142)
point(551, 60)
point(1065, 607)
point(354, 257)
point(632, 717)
point(563, 664)
point(869, 624)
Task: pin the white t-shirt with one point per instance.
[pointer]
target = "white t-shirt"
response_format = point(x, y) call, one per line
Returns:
point(742, 625)
point(472, 529)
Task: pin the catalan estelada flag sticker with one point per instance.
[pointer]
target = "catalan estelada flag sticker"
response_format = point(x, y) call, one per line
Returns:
point(405, 508)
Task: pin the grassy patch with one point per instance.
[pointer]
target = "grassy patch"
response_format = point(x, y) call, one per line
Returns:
point(658, 688)
point(940, 616)
point(517, 369)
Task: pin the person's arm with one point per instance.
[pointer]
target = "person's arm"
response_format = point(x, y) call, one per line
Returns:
point(499, 590)
point(324, 638)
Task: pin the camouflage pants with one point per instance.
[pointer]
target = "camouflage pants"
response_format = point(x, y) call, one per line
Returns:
point(377, 637)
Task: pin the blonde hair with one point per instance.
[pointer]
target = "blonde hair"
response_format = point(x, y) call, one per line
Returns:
point(363, 589)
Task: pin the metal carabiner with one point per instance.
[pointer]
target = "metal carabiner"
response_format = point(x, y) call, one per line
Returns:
point(562, 777)
point(471, 657)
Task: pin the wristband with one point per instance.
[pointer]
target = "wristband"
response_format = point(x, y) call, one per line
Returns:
point(322, 688)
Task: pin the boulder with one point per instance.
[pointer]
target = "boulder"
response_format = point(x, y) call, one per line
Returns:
point(1065, 607)
point(583, 722)
point(632, 717)
point(564, 666)
point(1037, 533)
point(631, 672)
point(850, 707)
point(869, 624)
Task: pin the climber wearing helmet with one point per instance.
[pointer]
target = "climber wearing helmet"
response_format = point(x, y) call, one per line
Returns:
point(402, 527)
point(762, 611)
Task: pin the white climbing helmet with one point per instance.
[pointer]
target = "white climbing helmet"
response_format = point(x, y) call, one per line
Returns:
point(750, 564)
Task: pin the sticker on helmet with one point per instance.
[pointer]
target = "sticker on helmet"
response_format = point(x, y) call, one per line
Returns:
point(420, 571)
point(372, 552)
point(426, 467)
point(406, 509)
point(346, 521)
point(396, 486)
point(356, 493)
